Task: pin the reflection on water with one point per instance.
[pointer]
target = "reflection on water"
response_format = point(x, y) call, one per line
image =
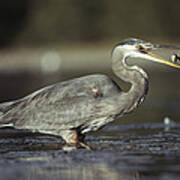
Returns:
point(97, 171)
point(135, 152)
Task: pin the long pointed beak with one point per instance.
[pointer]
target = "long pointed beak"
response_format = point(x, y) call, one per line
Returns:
point(162, 60)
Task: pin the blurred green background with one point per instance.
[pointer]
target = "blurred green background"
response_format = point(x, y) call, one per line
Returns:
point(45, 41)
point(54, 21)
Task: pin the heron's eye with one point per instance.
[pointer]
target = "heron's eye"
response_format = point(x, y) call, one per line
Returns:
point(140, 47)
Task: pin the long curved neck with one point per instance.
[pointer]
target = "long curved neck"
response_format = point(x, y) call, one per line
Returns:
point(134, 75)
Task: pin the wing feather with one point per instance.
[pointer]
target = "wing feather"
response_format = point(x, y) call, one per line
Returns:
point(64, 105)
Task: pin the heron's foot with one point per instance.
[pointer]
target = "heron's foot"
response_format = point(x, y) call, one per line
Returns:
point(69, 147)
point(72, 147)
point(85, 146)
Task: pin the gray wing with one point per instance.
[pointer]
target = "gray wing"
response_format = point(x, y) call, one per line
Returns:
point(64, 105)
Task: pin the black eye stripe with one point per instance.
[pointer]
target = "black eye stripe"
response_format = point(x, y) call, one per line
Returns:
point(130, 41)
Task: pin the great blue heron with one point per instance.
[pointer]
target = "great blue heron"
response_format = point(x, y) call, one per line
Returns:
point(73, 108)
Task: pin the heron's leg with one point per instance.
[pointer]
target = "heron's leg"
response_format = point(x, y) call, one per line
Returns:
point(82, 143)
point(73, 140)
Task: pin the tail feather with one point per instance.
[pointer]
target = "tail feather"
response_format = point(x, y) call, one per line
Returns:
point(5, 107)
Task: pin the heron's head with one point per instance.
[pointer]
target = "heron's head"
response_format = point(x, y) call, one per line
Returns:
point(136, 48)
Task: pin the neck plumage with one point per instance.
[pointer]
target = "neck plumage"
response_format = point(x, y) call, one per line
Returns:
point(134, 75)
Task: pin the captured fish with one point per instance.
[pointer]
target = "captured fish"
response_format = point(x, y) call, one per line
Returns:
point(175, 58)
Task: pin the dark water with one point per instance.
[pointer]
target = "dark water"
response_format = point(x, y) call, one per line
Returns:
point(138, 151)
point(138, 146)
